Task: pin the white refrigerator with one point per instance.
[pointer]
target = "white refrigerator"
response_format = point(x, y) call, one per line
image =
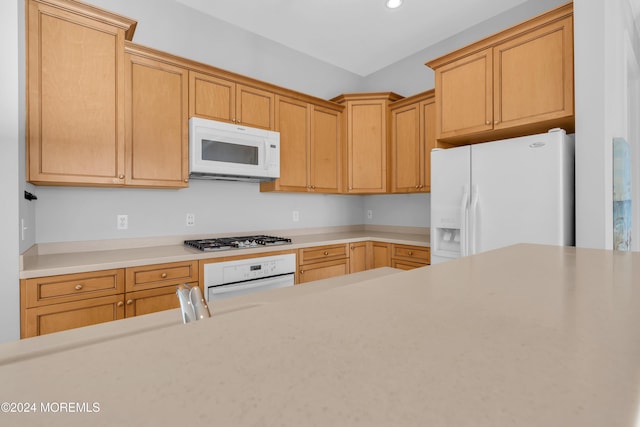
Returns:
point(494, 194)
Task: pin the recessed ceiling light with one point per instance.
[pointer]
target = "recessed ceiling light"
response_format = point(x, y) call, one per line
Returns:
point(392, 4)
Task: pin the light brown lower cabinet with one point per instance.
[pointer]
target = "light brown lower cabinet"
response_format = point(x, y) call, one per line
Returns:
point(322, 262)
point(152, 300)
point(57, 303)
point(380, 254)
point(358, 256)
point(407, 257)
point(69, 315)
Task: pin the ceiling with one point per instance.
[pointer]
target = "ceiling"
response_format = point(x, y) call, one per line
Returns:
point(361, 36)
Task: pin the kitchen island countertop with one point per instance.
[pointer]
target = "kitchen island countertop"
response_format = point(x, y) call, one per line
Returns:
point(527, 335)
point(81, 257)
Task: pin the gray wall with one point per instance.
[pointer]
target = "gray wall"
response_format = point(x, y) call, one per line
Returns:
point(9, 142)
point(410, 76)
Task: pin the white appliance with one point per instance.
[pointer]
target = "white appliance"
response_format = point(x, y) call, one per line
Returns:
point(234, 278)
point(226, 151)
point(486, 196)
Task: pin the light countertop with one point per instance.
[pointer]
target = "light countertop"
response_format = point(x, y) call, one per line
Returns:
point(528, 335)
point(93, 259)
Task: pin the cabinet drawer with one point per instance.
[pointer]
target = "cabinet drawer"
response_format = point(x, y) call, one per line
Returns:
point(60, 317)
point(322, 253)
point(73, 287)
point(159, 275)
point(323, 270)
point(417, 254)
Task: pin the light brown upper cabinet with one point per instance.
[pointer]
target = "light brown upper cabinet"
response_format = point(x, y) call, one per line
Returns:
point(218, 98)
point(157, 122)
point(309, 147)
point(367, 123)
point(412, 138)
point(516, 82)
point(75, 94)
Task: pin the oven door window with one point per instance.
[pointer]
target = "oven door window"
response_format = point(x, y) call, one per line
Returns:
point(226, 152)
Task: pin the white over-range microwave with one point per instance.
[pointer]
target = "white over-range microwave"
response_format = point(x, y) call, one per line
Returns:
point(226, 151)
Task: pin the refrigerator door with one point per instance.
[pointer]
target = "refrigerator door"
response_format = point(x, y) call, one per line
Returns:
point(522, 192)
point(450, 192)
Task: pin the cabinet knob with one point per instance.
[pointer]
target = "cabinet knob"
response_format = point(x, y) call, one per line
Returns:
point(129, 301)
point(186, 180)
point(163, 275)
point(120, 304)
point(301, 271)
point(488, 122)
point(496, 122)
point(121, 176)
point(326, 253)
point(410, 253)
point(79, 287)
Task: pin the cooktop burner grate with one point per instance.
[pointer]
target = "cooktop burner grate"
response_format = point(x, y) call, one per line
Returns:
point(241, 242)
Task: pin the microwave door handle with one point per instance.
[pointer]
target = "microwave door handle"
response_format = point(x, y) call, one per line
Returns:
point(267, 158)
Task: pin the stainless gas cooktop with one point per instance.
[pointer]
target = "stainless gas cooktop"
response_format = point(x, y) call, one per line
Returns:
point(241, 242)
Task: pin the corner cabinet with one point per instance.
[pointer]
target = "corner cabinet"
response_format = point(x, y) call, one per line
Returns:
point(157, 121)
point(412, 139)
point(75, 94)
point(309, 147)
point(221, 98)
point(367, 123)
point(516, 82)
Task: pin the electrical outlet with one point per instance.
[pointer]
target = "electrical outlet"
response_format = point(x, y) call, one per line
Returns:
point(191, 220)
point(123, 222)
point(369, 214)
point(296, 216)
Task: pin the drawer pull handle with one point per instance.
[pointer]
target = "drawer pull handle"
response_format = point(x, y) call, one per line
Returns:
point(163, 275)
point(79, 287)
point(326, 253)
point(129, 301)
point(120, 304)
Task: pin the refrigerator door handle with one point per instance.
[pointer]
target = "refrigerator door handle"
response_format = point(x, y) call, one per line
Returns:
point(464, 222)
point(473, 230)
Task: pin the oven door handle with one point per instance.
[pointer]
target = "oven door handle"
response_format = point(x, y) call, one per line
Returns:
point(285, 279)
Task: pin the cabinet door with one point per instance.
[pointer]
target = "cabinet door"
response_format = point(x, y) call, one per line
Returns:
point(60, 317)
point(255, 107)
point(428, 137)
point(324, 165)
point(157, 123)
point(465, 95)
point(358, 257)
point(380, 254)
point(366, 146)
point(323, 270)
point(152, 300)
point(406, 149)
point(533, 78)
point(211, 97)
point(75, 80)
point(292, 121)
